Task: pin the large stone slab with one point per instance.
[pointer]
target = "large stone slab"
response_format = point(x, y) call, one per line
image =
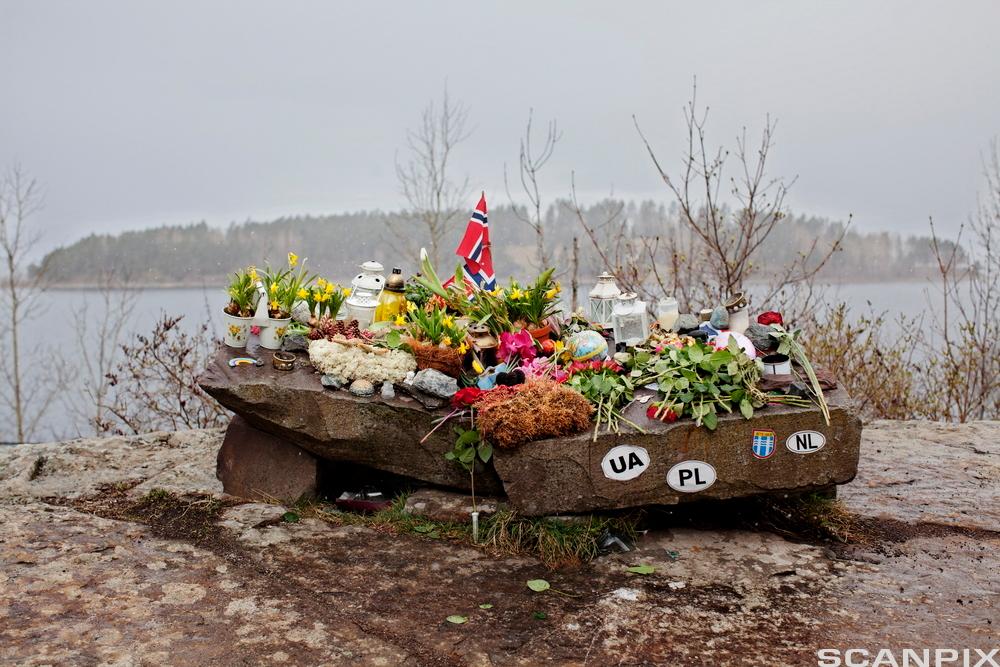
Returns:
point(566, 474)
point(259, 466)
point(384, 434)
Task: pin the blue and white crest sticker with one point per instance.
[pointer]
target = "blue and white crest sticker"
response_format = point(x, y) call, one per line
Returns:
point(763, 444)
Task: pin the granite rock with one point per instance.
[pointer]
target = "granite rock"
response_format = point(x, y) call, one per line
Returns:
point(295, 343)
point(720, 318)
point(761, 338)
point(435, 383)
point(333, 382)
point(362, 388)
point(686, 323)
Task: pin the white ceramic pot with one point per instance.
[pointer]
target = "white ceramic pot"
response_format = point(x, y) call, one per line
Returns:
point(777, 364)
point(272, 333)
point(236, 330)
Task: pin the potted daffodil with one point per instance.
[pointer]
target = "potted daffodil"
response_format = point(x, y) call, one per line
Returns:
point(284, 288)
point(238, 313)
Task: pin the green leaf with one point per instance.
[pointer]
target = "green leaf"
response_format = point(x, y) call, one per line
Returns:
point(393, 339)
point(540, 615)
point(290, 517)
point(641, 569)
point(695, 354)
point(538, 585)
point(467, 456)
point(710, 420)
point(486, 605)
point(746, 408)
point(456, 619)
point(485, 452)
point(424, 528)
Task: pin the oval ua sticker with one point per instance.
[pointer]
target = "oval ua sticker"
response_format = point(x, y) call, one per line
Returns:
point(805, 442)
point(691, 476)
point(625, 462)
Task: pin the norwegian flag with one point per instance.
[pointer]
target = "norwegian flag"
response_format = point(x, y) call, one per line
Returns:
point(475, 249)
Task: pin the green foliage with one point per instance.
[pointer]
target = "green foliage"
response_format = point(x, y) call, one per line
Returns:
point(242, 292)
point(641, 569)
point(538, 585)
point(788, 344)
point(325, 298)
point(433, 324)
point(700, 382)
point(286, 286)
point(610, 392)
point(469, 446)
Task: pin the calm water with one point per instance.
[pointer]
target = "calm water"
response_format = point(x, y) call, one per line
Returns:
point(55, 329)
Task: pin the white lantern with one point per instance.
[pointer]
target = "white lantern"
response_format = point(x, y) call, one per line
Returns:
point(667, 313)
point(630, 319)
point(366, 287)
point(739, 312)
point(602, 300)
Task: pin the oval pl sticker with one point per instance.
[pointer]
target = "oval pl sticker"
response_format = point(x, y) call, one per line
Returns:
point(625, 462)
point(691, 476)
point(805, 442)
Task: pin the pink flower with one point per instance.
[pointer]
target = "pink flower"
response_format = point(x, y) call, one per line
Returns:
point(255, 330)
point(519, 344)
point(542, 368)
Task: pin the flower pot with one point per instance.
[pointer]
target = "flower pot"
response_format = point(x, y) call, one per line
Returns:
point(272, 333)
point(542, 333)
point(236, 330)
point(777, 364)
point(445, 359)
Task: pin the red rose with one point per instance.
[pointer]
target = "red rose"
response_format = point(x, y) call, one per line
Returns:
point(770, 317)
point(668, 415)
point(466, 396)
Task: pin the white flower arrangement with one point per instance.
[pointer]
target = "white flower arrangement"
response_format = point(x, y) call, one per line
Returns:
point(351, 362)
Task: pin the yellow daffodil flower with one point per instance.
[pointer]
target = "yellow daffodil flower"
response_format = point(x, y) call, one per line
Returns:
point(558, 346)
point(330, 288)
point(274, 288)
point(320, 283)
point(273, 305)
point(558, 288)
point(478, 367)
point(463, 348)
point(410, 306)
point(497, 292)
point(447, 341)
point(253, 274)
point(346, 291)
point(551, 294)
point(400, 321)
point(516, 294)
point(448, 320)
point(293, 260)
point(302, 293)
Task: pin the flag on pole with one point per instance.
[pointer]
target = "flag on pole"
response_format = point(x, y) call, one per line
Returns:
point(475, 250)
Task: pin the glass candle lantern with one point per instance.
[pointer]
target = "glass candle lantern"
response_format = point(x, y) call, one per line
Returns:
point(667, 313)
point(366, 287)
point(602, 300)
point(630, 319)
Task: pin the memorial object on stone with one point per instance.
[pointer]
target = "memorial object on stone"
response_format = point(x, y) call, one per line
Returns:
point(530, 402)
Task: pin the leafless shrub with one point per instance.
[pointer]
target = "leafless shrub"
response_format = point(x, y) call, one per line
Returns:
point(154, 386)
point(435, 200)
point(530, 163)
point(713, 244)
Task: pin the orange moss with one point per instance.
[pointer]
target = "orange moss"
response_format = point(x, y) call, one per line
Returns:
point(540, 409)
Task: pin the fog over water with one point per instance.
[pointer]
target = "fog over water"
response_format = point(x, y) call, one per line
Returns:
point(135, 114)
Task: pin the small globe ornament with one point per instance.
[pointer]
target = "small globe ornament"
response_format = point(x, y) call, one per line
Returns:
point(587, 345)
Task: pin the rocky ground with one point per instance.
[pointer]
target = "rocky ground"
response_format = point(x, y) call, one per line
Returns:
point(99, 567)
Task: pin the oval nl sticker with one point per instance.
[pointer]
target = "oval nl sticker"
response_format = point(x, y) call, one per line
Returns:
point(625, 462)
point(805, 442)
point(691, 476)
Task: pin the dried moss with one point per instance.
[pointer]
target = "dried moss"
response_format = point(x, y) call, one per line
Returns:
point(540, 409)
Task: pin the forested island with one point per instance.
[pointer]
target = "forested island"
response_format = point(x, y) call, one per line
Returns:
point(199, 253)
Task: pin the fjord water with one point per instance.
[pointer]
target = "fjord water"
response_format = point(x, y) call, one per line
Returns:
point(53, 333)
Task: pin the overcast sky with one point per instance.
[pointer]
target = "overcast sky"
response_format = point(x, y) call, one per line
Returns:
point(138, 113)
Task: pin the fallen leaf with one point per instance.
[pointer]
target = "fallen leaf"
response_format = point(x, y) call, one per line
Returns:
point(538, 585)
point(641, 569)
point(456, 619)
point(486, 606)
point(290, 517)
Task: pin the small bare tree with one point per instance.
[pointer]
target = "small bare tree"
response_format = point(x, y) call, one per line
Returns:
point(714, 244)
point(434, 199)
point(28, 396)
point(99, 337)
point(530, 163)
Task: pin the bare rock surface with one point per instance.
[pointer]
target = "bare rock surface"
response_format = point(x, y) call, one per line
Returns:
point(96, 567)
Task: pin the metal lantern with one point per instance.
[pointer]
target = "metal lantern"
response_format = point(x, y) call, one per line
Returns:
point(630, 319)
point(366, 287)
point(602, 300)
